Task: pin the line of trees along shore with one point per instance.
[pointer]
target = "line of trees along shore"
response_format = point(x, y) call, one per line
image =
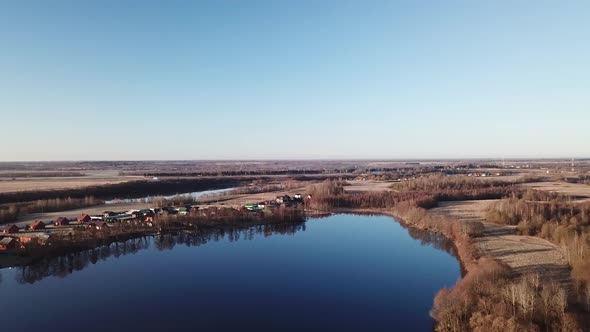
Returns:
point(489, 297)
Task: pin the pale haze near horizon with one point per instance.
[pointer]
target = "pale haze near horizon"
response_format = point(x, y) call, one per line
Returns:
point(121, 80)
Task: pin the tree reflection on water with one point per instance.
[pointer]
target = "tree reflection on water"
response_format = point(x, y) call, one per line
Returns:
point(64, 265)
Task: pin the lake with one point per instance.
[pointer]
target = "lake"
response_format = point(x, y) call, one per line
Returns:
point(338, 273)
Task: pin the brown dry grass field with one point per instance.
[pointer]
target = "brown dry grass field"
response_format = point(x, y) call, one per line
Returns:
point(524, 254)
point(573, 189)
point(28, 184)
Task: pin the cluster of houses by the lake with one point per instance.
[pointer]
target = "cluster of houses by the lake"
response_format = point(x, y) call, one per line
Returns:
point(282, 200)
point(38, 232)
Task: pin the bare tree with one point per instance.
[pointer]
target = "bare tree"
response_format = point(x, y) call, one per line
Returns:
point(510, 294)
point(546, 299)
point(525, 296)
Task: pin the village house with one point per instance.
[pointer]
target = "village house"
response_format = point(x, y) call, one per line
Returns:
point(109, 213)
point(133, 213)
point(7, 243)
point(146, 213)
point(37, 225)
point(120, 217)
point(169, 210)
point(62, 221)
point(34, 238)
point(251, 207)
point(9, 229)
point(84, 218)
point(280, 199)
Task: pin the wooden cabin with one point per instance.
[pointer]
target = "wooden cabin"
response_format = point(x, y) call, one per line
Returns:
point(62, 221)
point(37, 225)
point(8, 243)
point(84, 218)
point(9, 229)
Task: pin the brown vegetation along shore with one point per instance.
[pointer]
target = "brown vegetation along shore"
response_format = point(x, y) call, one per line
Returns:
point(490, 297)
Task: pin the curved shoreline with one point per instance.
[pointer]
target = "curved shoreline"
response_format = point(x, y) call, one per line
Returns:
point(459, 253)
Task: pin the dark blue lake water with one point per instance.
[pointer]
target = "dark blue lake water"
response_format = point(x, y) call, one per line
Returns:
point(340, 273)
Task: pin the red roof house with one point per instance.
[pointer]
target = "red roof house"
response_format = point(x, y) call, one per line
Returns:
point(7, 243)
point(10, 229)
point(84, 218)
point(37, 225)
point(62, 221)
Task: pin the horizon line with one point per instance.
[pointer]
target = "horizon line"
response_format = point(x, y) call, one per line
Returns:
point(522, 158)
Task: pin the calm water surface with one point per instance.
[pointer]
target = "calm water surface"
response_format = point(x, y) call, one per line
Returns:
point(341, 273)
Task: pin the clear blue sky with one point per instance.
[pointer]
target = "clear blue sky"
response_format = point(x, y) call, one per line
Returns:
point(293, 79)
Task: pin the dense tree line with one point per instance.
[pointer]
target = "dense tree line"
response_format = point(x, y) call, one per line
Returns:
point(424, 193)
point(441, 183)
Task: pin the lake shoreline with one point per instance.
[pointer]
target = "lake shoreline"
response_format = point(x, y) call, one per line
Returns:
point(81, 237)
point(459, 252)
point(98, 239)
